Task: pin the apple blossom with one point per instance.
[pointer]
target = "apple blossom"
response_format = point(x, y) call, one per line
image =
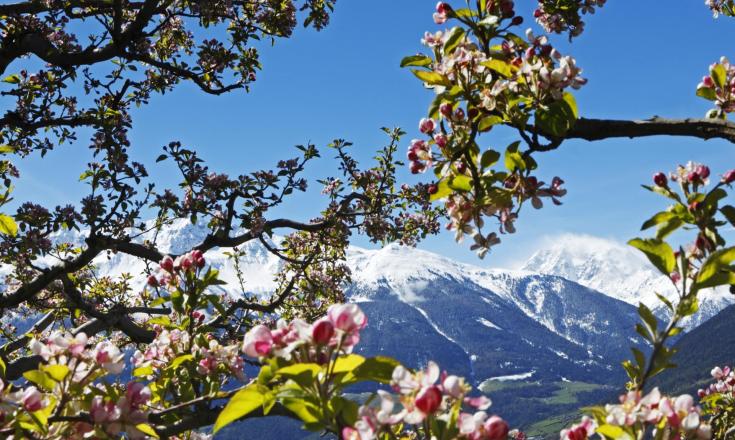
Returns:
point(427, 125)
point(322, 331)
point(428, 399)
point(110, 357)
point(258, 341)
point(32, 399)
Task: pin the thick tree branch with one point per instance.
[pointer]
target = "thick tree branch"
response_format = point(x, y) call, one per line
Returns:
point(599, 129)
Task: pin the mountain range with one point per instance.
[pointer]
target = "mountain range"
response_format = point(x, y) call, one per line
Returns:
point(563, 320)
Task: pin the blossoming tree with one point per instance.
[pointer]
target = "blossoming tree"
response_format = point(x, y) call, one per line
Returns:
point(104, 361)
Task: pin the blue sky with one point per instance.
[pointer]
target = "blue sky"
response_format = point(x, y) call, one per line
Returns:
point(641, 59)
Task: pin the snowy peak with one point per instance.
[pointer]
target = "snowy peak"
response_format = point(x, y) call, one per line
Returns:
point(604, 265)
point(616, 270)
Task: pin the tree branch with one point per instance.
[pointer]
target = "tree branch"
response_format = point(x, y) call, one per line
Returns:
point(599, 129)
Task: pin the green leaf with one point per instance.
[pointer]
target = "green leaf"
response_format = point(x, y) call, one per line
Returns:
point(345, 364)
point(669, 227)
point(489, 158)
point(6, 149)
point(376, 369)
point(660, 217)
point(719, 75)
point(648, 318)
point(558, 117)
point(56, 372)
point(500, 67)
point(147, 429)
point(306, 411)
point(41, 379)
point(613, 432)
point(729, 212)
point(442, 191)
point(640, 358)
point(302, 374)
point(688, 306)
point(12, 79)
point(488, 122)
point(143, 371)
point(416, 60)
point(2, 368)
point(180, 360)
point(8, 225)
point(707, 93)
point(460, 183)
point(666, 301)
point(432, 78)
point(716, 262)
point(659, 253)
point(514, 159)
point(241, 404)
point(454, 39)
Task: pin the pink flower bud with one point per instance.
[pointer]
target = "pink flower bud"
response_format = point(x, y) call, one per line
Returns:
point(441, 140)
point(496, 428)
point(137, 394)
point(675, 277)
point(322, 331)
point(660, 180)
point(443, 8)
point(446, 110)
point(703, 171)
point(152, 281)
point(416, 167)
point(432, 189)
point(198, 258)
point(350, 434)
point(708, 82)
point(429, 399)
point(32, 399)
point(167, 264)
point(427, 125)
point(729, 177)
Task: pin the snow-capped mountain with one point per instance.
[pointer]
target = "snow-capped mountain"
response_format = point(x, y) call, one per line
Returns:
point(506, 324)
point(569, 313)
point(619, 271)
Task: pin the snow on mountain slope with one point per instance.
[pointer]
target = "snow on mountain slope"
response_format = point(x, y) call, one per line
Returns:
point(617, 270)
point(540, 322)
point(486, 322)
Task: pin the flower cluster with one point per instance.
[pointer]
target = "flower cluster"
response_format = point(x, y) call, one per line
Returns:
point(71, 364)
point(725, 7)
point(477, 88)
point(724, 382)
point(339, 330)
point(171, 269)
point(581, 431)
point(63, 348)
point(163, 349)
point(124, 414)
point(677, 414)
point(557, 17)
point(719, 87)
point(215, 355)
point(718, 400)
point(423, 394)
